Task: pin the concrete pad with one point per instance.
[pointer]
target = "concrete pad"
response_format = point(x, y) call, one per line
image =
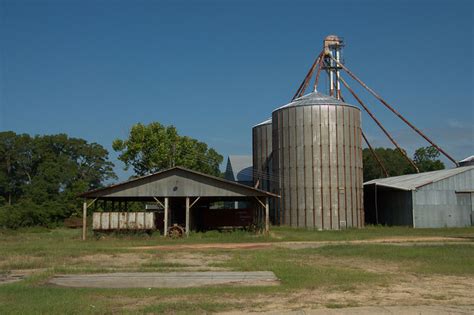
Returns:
point(165, 279)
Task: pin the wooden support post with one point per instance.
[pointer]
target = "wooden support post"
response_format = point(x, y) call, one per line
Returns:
point(267, 216)
point(187, 216)
point(165, 229)
point(84, 219)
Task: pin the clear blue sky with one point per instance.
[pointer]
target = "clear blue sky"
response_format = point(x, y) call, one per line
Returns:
point(213, 69)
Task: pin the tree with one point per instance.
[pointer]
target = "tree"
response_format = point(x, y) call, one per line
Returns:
point(427, 159)
point(393, 161)
point(41, 176)
point(154, 147)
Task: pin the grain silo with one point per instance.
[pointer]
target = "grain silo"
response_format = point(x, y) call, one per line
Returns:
point(261, 154)
point(317, 156)
point(262, 163)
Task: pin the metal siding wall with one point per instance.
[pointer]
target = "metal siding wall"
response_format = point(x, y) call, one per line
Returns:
point(348, 166)
point(261, 155)
point(308, 167)
point(320, 165)
point(317, 160)
point(438, 205)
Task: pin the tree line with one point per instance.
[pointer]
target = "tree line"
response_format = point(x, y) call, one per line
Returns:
point(41, 176)
point(425, 158)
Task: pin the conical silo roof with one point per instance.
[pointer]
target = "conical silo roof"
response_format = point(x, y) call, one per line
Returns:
point(314, 98)
point(265, 122)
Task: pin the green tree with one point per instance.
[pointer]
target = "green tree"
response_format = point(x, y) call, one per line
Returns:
point(393, 161)
point(427, 159)
point(41, 176)
point(154, 147)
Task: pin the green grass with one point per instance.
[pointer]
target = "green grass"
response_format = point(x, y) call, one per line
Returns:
point(430, 259)
point(60, 250)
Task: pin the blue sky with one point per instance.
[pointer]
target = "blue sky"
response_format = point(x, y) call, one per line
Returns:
point(213, 69)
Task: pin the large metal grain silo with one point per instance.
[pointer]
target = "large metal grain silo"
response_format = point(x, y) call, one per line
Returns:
point(317, 155)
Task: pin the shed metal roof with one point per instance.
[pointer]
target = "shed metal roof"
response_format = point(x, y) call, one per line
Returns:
point(176, 182)
point(414, 181)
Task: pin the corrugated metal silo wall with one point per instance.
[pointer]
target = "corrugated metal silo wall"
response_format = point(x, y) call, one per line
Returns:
point(261, 153)
point(262, 163)
point(317, 154)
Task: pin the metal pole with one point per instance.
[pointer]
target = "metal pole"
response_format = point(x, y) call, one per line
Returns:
point(379, 124)
point(338, 84)
point(267, 216)
point(187, 216)
point(84, 219)
point(395, 112)
point(165, 221)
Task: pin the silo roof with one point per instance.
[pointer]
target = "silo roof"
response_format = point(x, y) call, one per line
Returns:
point(414, 181)
point(315, 98)
point(266, 122)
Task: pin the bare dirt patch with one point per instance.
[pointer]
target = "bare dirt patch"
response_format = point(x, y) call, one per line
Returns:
point(196, 261)
point(309, 244)
point(410, 291)
point(379, 310)
point(205, 246)
point(124, 260)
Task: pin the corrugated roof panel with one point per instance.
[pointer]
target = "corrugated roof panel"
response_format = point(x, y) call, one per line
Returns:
point(414, 181)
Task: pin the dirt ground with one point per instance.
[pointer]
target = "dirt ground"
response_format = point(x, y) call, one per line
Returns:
point(406, 293)
point(411, 294)
point(308, 244)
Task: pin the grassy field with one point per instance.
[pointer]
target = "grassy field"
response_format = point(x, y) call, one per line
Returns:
point(335, 274)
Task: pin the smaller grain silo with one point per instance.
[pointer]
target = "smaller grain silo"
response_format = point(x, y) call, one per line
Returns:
point(261, 154)
point(317, 156)
point(262, 157)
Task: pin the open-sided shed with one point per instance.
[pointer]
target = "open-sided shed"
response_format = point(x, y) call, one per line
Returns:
point(177, 190)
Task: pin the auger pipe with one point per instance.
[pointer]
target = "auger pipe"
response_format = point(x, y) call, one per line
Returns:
point(368, 144)
point(379, 124)
point(320, 66)
point(394, 111)
point(309, 78)
point(306, 80)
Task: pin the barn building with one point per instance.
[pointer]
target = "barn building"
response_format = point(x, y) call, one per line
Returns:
point(435, 199)
point(185, 197)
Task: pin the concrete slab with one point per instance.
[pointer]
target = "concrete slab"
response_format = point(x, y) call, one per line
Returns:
point(165, 280)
